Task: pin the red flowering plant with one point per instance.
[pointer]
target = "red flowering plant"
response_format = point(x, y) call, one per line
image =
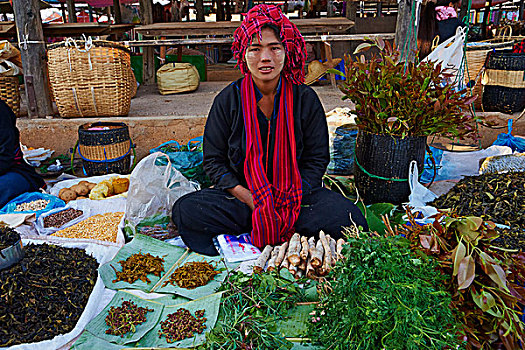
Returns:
point(401, 98)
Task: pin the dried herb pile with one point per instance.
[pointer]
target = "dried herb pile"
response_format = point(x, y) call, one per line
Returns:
point(512, 239)
point(45, 293)
point(193, 274)
point(383, 296)
point(182, 324)
point(138, 267)
point(123, 319)
point(8, 237)
point(496, 197)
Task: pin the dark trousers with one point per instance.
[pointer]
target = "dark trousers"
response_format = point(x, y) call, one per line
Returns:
point(12, 185)
point(202, 215)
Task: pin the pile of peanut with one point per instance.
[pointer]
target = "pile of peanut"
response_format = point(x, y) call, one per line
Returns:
point(37, 205)
point(103, 227)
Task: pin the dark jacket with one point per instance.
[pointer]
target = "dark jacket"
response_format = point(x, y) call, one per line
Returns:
point(447, 28)
point(225, 138)
point(11, 157)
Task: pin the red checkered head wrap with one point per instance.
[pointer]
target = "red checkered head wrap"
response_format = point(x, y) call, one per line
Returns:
point(290, 37)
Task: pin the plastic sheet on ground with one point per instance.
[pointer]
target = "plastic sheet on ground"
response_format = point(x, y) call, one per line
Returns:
point(97, 300)
point(209, 303)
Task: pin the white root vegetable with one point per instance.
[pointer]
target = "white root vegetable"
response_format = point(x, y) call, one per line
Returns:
point(317, 256)
point(299, 274)
point(283, 249)
point(292, 269)
point(285, 264)
point(302, 266)
point(271, 262)
point(304, 249)
point(339, 247)
point(262, 259)
point(311, 246)
point(327, 261)
point(294, 249)
point(310, 270)
point(333, 250)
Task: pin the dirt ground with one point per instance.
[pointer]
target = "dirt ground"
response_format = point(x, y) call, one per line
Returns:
point(149, 102)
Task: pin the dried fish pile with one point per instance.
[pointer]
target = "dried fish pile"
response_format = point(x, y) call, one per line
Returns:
point(138, 267)
point(45, 293)
point(496, 197)
point(302, 256)
point(193, 274)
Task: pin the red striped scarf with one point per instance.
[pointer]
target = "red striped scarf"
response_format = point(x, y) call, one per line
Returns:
point(277, 204)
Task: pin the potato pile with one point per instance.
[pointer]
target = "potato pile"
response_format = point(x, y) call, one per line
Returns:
point(78, 191)
point(302, 256)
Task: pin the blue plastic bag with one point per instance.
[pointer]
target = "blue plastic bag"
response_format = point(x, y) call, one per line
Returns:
point(342, 152)
point(54, 202)
point(515, 143)
point(428, 172)
point(185, 158)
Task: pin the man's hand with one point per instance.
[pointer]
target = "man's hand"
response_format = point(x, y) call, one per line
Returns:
point(242, 194)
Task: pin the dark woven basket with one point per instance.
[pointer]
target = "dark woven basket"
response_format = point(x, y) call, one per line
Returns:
point(105, 151)
point(387, 157)
point(503, 99)
point(505, 60)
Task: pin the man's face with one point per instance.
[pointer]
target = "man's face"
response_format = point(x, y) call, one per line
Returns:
point(265, 58)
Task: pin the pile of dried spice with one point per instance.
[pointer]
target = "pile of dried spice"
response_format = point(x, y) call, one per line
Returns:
point(182, 324)
point(496, 197)
point(8, 237)
point(123, 319)
point(193, 274)
point(45, 293)
point(138, 267)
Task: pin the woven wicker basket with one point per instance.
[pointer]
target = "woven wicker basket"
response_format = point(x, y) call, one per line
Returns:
point(10, 93)
point(476, 57)
point(91, 79)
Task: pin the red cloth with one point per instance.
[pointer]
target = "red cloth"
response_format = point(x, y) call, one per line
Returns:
point(290, 36)
point(277, 204)
point(519, 47)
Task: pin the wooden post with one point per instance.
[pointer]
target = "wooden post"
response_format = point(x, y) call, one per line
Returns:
point(64, 14)
point(330, 8)
point(71, 11)
point(486, 19)
point(33, 50)
point(521, 15)
point(199, 6)
point(148, 54)
point(351, 13)
point(406, 29)
point(116, 12)
point(90, 11)
point(379, 9)
point(463, 10)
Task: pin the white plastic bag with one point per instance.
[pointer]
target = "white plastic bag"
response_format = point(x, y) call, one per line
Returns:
point(450, 52)
point(419, 194)
point(456, 165)
point(153, 189)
